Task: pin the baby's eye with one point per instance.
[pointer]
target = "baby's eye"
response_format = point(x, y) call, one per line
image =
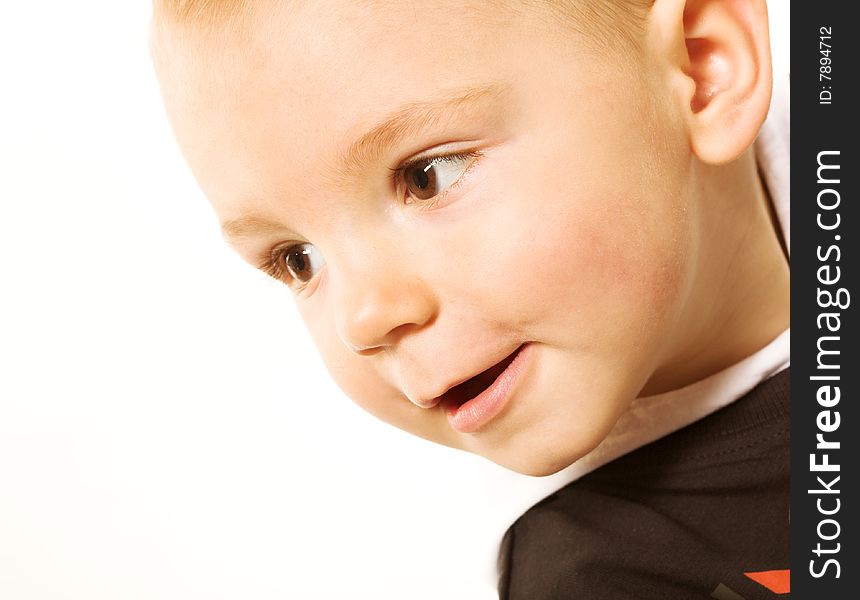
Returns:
point(301, 262)
point(428, 177)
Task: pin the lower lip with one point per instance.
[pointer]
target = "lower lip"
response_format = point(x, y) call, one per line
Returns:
point(470, 416)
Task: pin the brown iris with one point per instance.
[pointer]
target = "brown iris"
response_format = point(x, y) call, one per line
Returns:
point(297, 261)
point(421, 180)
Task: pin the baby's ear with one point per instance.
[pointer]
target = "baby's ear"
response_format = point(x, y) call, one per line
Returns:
point(719, 53)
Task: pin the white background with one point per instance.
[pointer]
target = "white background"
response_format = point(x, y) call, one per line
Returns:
point(166, 429)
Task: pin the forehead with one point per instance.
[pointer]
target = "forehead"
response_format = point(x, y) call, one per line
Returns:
point(299, 83)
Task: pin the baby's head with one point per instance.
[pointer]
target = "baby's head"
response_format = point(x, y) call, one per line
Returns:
point(494, 215)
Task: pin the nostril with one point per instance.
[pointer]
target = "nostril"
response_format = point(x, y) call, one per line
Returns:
point(424, 403)
point(362, 350)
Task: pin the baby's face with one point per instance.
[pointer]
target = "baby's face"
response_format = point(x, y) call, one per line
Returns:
point(451, 193)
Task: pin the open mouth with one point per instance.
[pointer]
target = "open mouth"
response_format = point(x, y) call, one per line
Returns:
point(471, 388)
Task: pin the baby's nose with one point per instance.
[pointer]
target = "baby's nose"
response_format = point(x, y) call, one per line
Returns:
point(423, 401)
point(379, 312)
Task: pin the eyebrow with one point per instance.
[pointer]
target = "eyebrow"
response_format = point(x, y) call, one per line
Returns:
point(245, 227)
point(406, 121)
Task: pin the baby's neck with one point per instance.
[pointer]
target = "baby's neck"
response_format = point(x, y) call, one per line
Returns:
point(739, 299)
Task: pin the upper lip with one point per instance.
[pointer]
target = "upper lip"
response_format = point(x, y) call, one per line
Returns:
point(431, 401)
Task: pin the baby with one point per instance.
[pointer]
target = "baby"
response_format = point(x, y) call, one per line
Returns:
point(503, 221)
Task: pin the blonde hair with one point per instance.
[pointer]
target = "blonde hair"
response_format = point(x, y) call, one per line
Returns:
point(605, 21)
point(199, 11)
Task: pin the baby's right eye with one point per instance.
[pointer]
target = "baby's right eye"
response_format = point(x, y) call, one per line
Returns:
point(296, 264)
point(430, 177)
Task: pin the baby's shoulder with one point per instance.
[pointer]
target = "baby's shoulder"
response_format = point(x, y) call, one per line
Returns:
point(674, 519)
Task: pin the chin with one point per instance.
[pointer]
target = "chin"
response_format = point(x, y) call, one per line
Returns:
point(543, 469)
point(536, 464)
point(545, 453)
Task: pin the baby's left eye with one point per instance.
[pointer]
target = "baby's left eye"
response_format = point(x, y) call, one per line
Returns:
point(294, 265)
point(426, 178)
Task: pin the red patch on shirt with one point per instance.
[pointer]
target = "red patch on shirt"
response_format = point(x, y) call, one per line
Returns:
point(778, 582)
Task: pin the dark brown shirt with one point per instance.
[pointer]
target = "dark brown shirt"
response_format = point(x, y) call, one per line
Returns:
point(700, 513)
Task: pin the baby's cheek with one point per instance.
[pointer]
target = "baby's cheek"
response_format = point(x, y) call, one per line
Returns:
point(613, 269)
point(345, 367)
point(638, 264)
